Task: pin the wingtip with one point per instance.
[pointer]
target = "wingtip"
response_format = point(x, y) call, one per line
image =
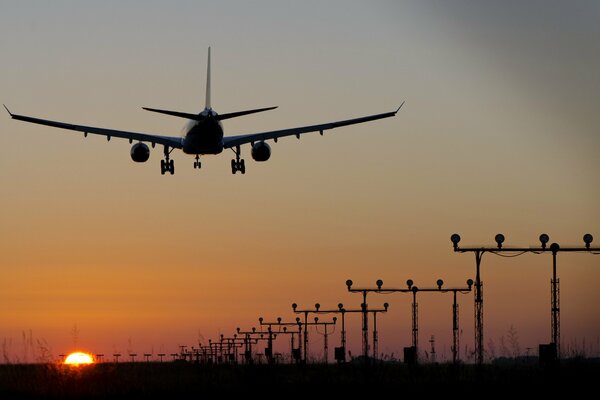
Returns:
point(400, 106)
point(7, 110)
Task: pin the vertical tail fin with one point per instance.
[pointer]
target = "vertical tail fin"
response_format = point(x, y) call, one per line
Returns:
point(208, 81)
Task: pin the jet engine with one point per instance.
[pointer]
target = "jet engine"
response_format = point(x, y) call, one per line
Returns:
point(140, 152)
point(261, 151)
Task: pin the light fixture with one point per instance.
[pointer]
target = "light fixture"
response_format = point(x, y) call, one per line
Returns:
point(499, 239)
point(544, 239)
point(455, 239)
point(587, 239)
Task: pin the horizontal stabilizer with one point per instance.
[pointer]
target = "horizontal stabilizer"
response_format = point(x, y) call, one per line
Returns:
point(240, 113)
point(195, 117)
point(200, 117)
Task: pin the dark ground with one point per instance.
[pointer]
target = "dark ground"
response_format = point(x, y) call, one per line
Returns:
point(185, 380)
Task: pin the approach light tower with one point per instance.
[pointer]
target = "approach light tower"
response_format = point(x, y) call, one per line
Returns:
point(365, 317)
point(513, 252)
point(411, 352)
point(339, 352)
point(306, 324)
point(294, 353)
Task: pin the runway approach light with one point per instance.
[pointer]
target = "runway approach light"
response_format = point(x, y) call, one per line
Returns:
point(587, 239)
point(455, 239)
point(544, 239)
point(499, 239)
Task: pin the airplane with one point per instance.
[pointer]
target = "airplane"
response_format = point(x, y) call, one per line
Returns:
point(203, 134)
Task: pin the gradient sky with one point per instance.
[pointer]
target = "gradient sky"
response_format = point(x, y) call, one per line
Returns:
point(499, 134)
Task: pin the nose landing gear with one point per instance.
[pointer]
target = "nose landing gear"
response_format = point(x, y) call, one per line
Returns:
point(197, 163)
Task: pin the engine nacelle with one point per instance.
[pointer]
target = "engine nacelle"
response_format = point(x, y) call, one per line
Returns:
point(140, 152)
point(261, 151)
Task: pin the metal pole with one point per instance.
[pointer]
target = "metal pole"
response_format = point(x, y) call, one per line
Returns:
point(454, 330)
point(478, 310)
point(292, 348)
point(415, 324)
point(270, 358)
point(365, 327)
point(344, 333)
point(299, 341)
point(555, 302)
point(326, 346)
point(305, 336)
point(375, 340)
point(249, 355)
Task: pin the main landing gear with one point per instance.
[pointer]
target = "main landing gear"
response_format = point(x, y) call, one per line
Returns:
point(237, 164)
point(197, 163)
point(167, 164)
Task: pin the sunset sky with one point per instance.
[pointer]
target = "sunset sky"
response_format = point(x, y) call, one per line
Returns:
point(499, 133)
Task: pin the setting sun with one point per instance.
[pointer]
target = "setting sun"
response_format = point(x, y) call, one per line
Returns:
point(79, 358)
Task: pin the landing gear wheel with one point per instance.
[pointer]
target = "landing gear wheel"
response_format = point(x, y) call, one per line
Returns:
point(167, 164)
point(237, 164)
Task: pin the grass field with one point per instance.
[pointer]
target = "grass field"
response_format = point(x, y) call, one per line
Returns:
point(179, 380)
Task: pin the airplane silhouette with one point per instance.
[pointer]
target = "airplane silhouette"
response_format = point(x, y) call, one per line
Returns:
point(203, 134)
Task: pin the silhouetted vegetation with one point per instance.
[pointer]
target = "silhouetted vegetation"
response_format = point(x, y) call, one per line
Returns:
point(145, 380)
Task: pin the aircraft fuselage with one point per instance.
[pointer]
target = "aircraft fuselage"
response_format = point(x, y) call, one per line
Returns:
point(204, 136)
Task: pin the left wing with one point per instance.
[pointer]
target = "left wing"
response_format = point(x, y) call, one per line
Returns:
point(175, 142)
point(233, 141)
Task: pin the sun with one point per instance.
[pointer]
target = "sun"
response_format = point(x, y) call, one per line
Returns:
point(79, 358)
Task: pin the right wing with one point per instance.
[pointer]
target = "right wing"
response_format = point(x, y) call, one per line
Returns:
point(233, 141)
point(174, 142)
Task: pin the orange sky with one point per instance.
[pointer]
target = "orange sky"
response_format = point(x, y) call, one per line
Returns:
point(499, 134)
